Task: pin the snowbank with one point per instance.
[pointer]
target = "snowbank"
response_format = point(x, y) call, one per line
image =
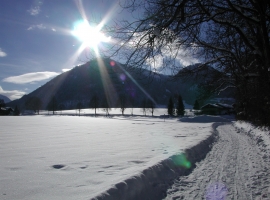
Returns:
point(153, 182)
point(259, 134)
point(207, 119)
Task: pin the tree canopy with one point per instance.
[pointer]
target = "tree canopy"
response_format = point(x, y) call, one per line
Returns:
point(231, 35)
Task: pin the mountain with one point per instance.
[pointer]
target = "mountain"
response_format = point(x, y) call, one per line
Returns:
point(112, 83)
point(200, 81)
point(198, 73)
point(106, 79)
point(6, 99)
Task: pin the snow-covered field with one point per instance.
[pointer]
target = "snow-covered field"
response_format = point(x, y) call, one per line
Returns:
point(121, 157)
point(71, 157)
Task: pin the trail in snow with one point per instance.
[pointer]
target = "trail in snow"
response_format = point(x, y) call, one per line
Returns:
point(235, 168)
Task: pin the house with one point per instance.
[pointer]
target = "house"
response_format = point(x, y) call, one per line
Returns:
point(227, 109)
point(217, 109)
point(6, 111)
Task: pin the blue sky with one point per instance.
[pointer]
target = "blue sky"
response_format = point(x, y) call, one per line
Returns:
point(36, 40)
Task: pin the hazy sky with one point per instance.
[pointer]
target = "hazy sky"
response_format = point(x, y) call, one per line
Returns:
point(36, 40)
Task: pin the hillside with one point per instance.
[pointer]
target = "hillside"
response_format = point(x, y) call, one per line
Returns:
point(6, 99)
point(106, 79)
point(112, 82)
point(200, 82)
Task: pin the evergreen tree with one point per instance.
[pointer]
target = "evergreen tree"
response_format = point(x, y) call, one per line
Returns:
point(170, 107)
point(180, 109)
point(16, 111)
point(196, 105)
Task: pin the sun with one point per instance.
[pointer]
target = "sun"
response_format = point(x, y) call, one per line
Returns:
point(90, 36)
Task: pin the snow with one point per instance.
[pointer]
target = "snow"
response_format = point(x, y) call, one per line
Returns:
point(259, 134)
point(71, 157)
point(130, 157)
point(237, 167)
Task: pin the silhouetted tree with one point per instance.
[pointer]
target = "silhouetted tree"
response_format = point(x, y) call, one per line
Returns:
point(151, 106)
point(123, 103)
point(144, 106)
point(33, 103)
point(231, 35)
point(52, 105)
point(170, 107)
point(196, 105)
point(94, 103)
point(106, 107)
point(180, 108)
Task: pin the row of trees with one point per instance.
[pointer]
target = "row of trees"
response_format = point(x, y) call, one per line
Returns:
point(147, 105)
point(35, 104)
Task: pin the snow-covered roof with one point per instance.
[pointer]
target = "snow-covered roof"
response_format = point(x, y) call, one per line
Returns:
point(210, 105)
point(217, 105)
point(224, 105)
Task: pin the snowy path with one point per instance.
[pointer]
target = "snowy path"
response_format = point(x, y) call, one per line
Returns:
point(235, 168)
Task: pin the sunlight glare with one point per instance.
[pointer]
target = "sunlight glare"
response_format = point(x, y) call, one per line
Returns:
point(90, 36)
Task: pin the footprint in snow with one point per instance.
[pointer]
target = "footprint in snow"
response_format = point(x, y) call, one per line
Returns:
point(58, 166)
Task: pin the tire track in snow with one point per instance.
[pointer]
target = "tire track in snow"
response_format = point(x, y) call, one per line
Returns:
point(233, 169)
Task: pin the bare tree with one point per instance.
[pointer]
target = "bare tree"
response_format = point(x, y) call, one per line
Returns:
point(123, 103)
point(52, 105)
point(94, 103)
point(106, 107)
point(231, 35)
point(79, 107)
point(144, 106)
point(151, 106)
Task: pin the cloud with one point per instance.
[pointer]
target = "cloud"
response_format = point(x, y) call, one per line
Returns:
point(35, 10)
point(30, 77)
point(38, 26)
point(65, 70)
point(167, 59)
point(12, 94)
point(2, 53)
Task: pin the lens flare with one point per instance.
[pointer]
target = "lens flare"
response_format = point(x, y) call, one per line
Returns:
point(181, 161)
point(216, 191)
point(122, 77)
point(112, 63)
